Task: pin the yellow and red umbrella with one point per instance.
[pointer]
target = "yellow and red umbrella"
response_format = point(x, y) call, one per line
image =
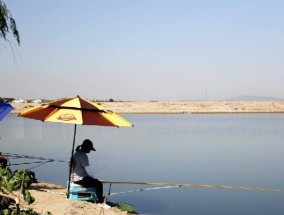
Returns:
point(76, 111)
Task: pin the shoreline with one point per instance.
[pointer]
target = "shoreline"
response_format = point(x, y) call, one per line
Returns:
point(196, 107)
point(52, 198)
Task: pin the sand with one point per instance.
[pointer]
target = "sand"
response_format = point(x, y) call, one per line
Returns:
point(52, 198)
point(197, 107)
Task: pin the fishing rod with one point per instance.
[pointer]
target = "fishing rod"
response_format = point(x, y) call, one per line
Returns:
point(16, 164)
point(162, 185)
point(18, 156)
point(170, 185)
point(139, 190)
point(40, 160)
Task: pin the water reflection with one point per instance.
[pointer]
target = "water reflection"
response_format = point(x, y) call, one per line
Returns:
point(245, 150)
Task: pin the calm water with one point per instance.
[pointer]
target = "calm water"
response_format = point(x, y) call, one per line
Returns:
point(242, 149)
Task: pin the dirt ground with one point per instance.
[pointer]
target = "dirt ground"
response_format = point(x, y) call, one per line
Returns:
point(197, 107)
point(52, 198)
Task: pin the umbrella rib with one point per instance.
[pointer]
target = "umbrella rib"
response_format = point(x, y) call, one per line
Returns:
point(50, 114)
point(83, 109)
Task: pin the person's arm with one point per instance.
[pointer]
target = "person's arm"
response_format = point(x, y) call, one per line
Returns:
point(90, 172)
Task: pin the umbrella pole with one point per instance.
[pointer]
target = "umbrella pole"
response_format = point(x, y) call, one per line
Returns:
point(71, 162)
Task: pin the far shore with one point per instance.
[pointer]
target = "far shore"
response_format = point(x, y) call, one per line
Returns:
point(192, 107)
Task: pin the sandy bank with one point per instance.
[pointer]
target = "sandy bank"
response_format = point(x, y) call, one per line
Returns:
point(52, 198)
point(209, 107)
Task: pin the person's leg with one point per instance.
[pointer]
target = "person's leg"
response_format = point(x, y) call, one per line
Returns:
point(99, 191)
point(91, 182)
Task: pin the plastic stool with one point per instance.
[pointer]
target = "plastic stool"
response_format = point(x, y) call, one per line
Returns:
point(77, 192)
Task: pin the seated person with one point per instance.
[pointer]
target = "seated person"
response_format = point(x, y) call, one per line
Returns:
point(82, 173)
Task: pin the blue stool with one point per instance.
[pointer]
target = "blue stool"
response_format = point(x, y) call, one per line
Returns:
point(77, 192)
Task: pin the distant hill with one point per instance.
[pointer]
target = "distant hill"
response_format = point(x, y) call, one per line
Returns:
point(254, 98)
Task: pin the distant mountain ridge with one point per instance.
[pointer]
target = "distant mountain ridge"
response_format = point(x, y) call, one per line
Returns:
point(254, 98)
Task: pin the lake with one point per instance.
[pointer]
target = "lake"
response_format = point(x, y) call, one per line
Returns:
point(220, 149)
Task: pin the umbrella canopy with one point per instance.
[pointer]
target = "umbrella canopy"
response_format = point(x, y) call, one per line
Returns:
point(5, 108)
point(76, 111)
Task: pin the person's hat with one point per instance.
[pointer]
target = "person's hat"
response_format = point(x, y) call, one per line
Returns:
point(88, 143)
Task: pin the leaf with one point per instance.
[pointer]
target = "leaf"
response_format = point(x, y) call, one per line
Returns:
point(6, 212)
point(6, 16)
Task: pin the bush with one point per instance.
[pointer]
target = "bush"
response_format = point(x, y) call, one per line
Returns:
point(12, 181)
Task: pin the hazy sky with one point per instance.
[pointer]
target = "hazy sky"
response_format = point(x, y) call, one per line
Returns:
point(144, 50)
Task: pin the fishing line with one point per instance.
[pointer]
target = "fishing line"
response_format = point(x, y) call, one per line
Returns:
point(38, 165)
point(172, 185)
point(16, 164)
point(41, 161)
point(100, 168)
point(140, 190)
point(17, 156)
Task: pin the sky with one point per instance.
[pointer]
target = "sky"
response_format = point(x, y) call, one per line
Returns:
point(144, 50)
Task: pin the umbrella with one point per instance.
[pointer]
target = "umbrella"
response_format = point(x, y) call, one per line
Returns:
point(76, 111)
point(5, 108)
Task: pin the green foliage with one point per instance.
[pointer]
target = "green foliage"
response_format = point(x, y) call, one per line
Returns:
point(12, 181)
point(4, 203)
point(126, 207)
point(19, 212)
point(98, 101)
point(7, 23)
point(6, 99)
point(19, 179)
point(28, 198)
